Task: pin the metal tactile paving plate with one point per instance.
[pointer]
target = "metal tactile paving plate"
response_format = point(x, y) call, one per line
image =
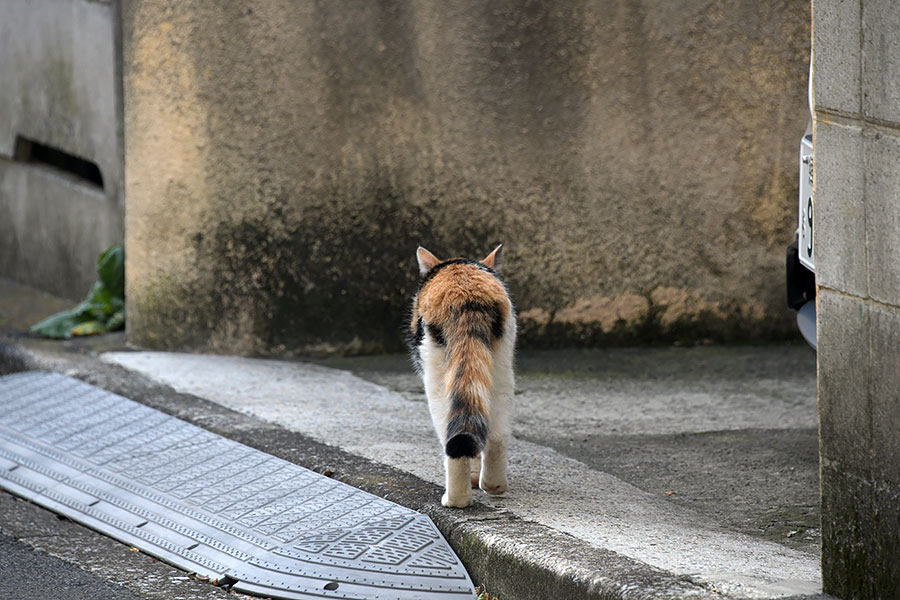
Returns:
point(211, 505)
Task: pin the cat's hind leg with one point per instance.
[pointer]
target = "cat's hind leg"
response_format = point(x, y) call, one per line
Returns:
point(493, 466)
point(475, 470)
point(458, 492)
point(493, 457)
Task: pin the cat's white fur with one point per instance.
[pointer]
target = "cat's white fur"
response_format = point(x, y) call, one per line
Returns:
point(491, 467)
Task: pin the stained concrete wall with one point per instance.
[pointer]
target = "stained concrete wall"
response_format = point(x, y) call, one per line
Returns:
point(284, 159)
point(60, 87)
point(856, 79)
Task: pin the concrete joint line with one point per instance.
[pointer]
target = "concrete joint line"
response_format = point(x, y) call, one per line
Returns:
point(890, 308)
point(835, 117)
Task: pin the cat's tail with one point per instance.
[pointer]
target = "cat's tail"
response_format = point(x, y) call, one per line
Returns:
point(470, 336)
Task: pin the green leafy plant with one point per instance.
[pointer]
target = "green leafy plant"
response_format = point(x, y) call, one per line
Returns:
point(104, 308)
point(483, 595)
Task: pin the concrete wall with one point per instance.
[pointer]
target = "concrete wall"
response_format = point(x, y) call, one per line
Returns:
point(284, 159)
point(60, 86)
point(856, 62)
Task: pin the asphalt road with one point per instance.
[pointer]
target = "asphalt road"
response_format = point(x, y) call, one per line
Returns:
point(47, 557)
point(29, 574)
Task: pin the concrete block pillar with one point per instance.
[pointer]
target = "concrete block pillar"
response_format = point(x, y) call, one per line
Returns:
point(61, 157)
point(856, 80)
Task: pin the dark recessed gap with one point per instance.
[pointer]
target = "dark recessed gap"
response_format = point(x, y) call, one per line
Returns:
point(225, 581)
point(331, 586)
point(13, 468)
point(94, 503)
point(142, 524)
point(194, 545)
point(30, 151)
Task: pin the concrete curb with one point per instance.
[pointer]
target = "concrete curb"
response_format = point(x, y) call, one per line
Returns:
point(514, 559)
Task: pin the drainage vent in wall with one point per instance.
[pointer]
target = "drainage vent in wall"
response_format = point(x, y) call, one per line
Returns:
point(85, 171)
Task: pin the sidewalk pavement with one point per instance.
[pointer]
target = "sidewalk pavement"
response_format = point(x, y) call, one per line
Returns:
point(634, 473)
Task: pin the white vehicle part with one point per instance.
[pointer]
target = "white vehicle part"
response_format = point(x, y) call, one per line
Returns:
point(805, 231)
point(805, 246)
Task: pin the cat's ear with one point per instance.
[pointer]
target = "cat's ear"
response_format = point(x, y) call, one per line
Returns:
point(494, 260)
point(427, 260)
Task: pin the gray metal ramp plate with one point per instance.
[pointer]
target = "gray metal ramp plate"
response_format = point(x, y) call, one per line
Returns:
point(211, 505)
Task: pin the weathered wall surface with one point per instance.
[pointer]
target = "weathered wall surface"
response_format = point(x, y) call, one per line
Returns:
point(60, 87)
point(637, 158)
point(856, 80)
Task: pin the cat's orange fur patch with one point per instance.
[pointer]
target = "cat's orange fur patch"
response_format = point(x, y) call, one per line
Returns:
point(470, 363)
point(450, 301)
point(454, 286)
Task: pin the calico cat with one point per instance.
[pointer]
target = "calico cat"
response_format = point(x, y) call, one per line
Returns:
point(462, 334)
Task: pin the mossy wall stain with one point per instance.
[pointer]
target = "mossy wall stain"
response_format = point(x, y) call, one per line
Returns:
point(278, 187)
point(318, 282)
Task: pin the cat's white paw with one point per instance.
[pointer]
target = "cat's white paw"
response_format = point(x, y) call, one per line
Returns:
point(457, 500)
point(494, 487)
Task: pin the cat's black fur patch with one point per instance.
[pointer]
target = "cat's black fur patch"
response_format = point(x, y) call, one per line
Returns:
point(497, 323)
point(481, 335)
point(457, 402)
point(437, 334)
point(419, 334)
point(466, 433)
point(413, 340)
point(494, 313)
point(462, 445)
